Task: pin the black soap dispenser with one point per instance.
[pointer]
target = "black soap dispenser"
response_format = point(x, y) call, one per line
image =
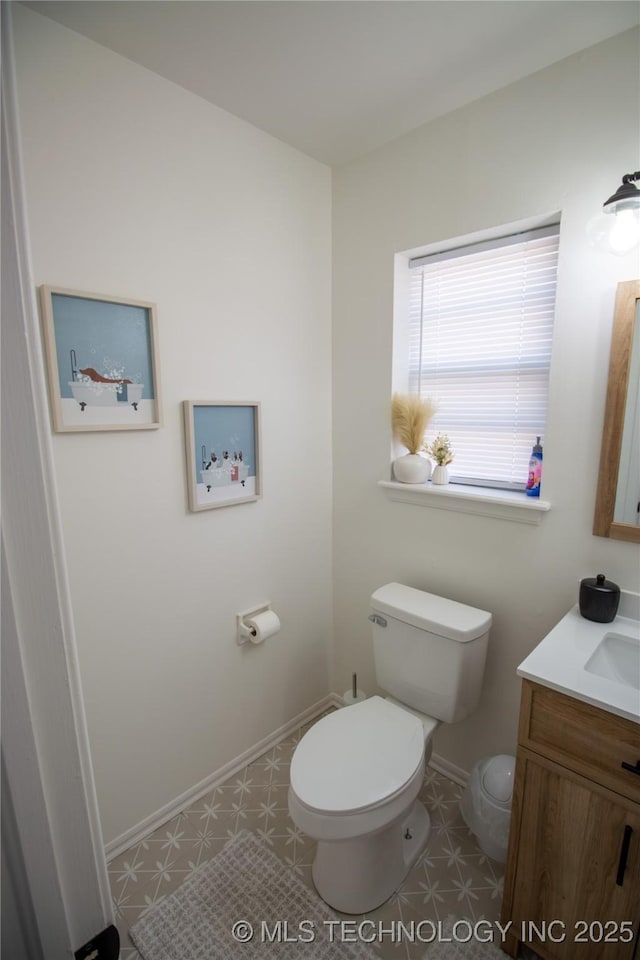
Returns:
point(599, 599)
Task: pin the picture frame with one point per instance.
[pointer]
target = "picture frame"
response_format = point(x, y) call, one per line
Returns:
point(223, 453)
point(102, 361)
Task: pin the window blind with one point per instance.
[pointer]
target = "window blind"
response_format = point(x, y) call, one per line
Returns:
point(480, 330)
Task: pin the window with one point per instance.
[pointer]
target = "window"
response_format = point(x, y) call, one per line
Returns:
point(480, 329)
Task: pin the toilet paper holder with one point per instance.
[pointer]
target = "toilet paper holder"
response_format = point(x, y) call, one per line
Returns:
point(245, 633)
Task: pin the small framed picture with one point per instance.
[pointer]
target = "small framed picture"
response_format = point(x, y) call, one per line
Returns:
point(223, 453)
point(102, 361)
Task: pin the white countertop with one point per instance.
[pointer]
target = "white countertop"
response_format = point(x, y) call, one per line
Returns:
point(559, 660)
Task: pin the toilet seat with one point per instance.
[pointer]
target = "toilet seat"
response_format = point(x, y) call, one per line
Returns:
point(357, 759)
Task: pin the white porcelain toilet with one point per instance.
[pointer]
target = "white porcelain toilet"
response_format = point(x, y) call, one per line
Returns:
point(356, 773)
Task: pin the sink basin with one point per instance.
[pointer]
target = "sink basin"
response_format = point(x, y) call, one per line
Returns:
point(617, 657)
point(598, 663)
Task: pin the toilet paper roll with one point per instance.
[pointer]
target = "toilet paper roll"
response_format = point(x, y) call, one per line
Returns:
point(262, 626)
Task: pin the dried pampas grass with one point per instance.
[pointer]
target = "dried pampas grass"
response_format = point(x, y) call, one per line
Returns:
point(410, 416)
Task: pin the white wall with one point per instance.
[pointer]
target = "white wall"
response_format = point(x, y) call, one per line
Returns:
point(558, 140)
point(138, 188)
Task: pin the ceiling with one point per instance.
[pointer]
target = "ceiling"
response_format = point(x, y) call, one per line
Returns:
point(337, 78)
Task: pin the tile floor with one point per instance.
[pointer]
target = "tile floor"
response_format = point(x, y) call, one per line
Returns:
point(453, 876)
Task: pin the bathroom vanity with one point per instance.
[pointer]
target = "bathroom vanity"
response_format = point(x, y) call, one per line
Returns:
point(572, 882)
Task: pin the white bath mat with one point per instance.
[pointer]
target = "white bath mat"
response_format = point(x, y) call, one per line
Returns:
point(245, 888)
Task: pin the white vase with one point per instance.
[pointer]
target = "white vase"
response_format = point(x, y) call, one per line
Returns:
point(440, 474)
point(412, 468)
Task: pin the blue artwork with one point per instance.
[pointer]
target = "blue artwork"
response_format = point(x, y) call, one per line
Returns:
point(104, 349)
point(225, 441)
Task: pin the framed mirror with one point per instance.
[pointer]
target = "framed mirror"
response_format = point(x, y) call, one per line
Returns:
point(617, 512)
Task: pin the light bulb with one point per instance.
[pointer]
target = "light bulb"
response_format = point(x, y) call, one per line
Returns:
point(625, 231)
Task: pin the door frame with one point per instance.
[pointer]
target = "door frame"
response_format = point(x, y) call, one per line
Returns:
point(45, 746)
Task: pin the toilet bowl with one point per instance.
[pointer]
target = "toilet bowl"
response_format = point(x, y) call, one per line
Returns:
point(355, 777)
point(356, 774)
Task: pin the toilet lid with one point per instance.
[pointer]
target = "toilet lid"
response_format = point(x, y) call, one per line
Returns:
point(357, 757)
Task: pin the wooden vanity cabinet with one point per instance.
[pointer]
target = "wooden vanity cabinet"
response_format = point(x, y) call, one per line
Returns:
point(572, 881)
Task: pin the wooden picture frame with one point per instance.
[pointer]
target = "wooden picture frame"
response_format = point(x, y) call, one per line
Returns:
point(223, 453)
point(102, 361)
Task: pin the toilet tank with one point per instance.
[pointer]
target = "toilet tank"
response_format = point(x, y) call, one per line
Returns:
point(429, 651)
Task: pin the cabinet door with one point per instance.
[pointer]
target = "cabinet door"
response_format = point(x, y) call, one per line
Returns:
point(573, 844)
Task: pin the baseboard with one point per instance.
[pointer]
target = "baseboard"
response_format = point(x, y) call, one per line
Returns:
point(141, 830)
point(448, 769)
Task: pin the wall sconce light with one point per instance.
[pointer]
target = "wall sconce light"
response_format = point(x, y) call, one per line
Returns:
point(620, 233)
point(625, 206)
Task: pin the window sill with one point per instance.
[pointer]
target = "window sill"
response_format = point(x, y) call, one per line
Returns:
point(501, 504)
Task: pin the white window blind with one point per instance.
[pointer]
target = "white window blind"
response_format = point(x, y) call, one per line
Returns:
point(481, 323)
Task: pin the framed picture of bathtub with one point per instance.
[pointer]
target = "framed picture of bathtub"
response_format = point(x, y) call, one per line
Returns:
point(222, 443)
point(102, 361)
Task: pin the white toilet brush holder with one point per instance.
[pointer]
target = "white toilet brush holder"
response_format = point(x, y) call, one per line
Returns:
point(354, 695)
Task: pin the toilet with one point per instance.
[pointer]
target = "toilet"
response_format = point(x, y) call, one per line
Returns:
point(356, 774)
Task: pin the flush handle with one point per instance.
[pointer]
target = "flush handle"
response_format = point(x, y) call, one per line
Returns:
point(627, 766)
point(376, 618)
